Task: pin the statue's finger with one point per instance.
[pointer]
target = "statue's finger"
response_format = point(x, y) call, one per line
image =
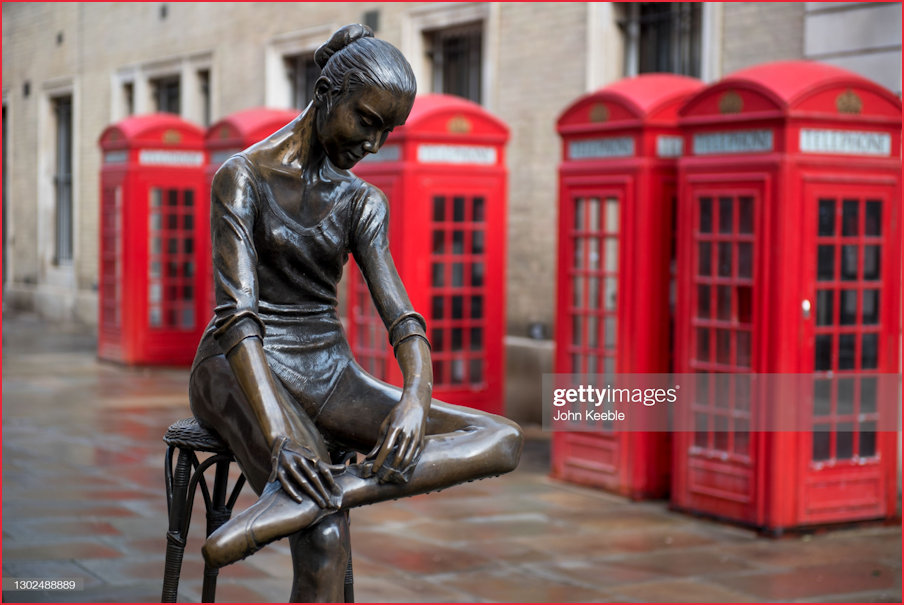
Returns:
point(376, 448)
point(302, 480)
point(410, 455)
point(327, 471)
point(380, 441)
point(385, 449)
point(316, 484)
point(326, 475)
point(288, 485)
point(417, 454)
point(403, 452)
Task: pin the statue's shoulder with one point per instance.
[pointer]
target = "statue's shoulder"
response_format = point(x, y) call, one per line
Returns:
point(368, 200)
point(237, 178)
point(238, 164)
point(370, 194)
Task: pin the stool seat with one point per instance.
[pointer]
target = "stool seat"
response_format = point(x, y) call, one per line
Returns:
point(182, 482)
point(189, 433)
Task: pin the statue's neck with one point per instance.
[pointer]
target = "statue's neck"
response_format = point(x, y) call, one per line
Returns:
point(301, 150)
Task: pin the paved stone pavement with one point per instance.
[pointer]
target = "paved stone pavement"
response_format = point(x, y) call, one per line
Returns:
point(83, 498)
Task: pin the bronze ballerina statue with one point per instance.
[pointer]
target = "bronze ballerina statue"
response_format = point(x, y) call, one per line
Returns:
point(274, 375)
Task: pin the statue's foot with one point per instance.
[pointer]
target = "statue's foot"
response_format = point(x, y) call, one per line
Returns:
point(387, 473)
point(274, 516)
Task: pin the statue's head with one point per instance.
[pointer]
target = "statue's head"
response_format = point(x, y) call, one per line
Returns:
point(366, 88)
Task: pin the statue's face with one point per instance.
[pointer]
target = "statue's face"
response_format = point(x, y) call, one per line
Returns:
point(359, 122)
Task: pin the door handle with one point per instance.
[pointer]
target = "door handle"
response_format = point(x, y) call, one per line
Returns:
point(805, 308)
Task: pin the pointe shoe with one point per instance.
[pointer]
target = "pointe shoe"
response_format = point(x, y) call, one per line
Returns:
point(274, 516)
point(386, 473)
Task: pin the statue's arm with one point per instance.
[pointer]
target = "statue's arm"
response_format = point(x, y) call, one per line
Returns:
point(299, 456)
point(239, 330)
point(406, 425)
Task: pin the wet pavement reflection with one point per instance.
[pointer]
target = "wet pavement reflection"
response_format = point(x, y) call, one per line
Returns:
point(83, 497)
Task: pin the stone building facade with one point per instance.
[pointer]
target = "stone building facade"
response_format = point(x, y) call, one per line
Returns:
point(95, 63)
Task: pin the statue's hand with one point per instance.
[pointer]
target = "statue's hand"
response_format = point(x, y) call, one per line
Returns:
point(401, 441)
point(301, 473)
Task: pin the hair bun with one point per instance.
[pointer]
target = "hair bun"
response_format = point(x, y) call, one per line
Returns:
point(339, 40)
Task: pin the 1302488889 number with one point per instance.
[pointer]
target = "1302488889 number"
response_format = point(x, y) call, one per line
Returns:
point(42, 584)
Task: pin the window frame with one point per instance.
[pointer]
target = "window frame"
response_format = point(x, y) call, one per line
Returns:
point(57, 274)
point(161, 88)
point(420, 21)
point(278, 89)
point(679, 21)
point(295, 65)
point(438, 48)
point(197, 82)
point(607, 50)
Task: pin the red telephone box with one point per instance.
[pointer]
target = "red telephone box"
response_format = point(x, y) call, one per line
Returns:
point(152, 268)
point(222, 140)
point(789, 246)
point(444, 174)
point(616, 203)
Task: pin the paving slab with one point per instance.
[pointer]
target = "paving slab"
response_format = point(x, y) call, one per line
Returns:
point(83, 498)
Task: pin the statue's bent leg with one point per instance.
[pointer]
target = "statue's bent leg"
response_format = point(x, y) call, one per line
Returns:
point(319, 553)
point(218, 403)
point(462, 445)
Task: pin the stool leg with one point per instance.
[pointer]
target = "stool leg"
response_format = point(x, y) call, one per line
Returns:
point(338, 456)
point(177, 492)
point(349, 582)
point(349, 575)
point(218, 513)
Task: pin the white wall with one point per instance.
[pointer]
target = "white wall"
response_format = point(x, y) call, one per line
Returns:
point(862, 37)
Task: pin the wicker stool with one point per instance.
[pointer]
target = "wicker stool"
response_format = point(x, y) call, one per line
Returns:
point(183, 480)
point(181, 483)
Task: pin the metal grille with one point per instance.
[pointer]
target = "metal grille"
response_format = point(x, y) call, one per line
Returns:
point(457, 55)
point(662, 37)
point(167, 93)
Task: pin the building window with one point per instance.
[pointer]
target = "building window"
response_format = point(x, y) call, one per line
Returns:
point(166, 93)
point(204, 95)
point(62, 178)
point(4, 184)
point(301, 73)
point(456, 56)
point(371, 19)
point(128, 98)
point(662, 37)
